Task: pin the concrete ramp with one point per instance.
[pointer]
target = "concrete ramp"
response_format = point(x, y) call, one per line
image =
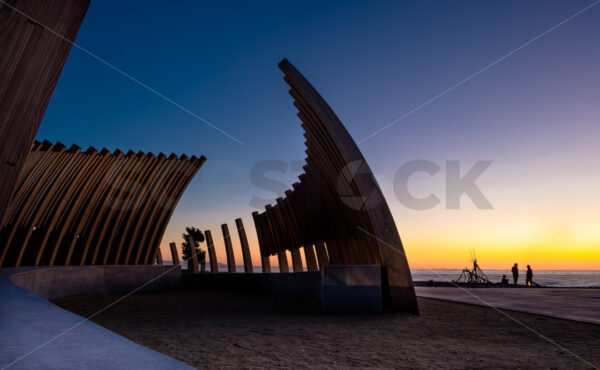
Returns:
point(564, 303)
point(35, 334)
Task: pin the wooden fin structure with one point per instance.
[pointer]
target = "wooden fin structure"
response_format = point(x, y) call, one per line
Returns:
point(74, 207)
point(337, 205)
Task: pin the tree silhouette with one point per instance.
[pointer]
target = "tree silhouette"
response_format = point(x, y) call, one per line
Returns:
point(186, 251)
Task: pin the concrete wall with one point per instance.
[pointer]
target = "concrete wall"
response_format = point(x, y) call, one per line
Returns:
point(337, 287)
point(307, 284)
point(56, 282)
point(351, 288)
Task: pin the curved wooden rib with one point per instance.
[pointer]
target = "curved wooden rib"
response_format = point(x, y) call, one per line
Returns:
point(228, 249)
point(337, 205)
point(167, 204)
point(131, 218)
point(73, 207)
point(245, 246)
point(212, 256)
point(266, 263)
point(174, 255)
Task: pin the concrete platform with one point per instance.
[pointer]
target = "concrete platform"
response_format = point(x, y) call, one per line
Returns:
point(572, 304)
point(337, 287)
point(28, 321)
point(351, 288)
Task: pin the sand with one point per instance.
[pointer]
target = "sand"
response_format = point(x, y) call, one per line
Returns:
point(217, 330)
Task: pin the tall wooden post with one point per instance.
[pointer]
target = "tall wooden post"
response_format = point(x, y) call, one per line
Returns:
point(260, 230)
point(245, 247)
point(194, 259)
point(159, 260)
point(283, 262)
point(174, 254)
point(296, 260)
point(311, 259)
point(228, 249)
point(210, 245)
point(322, 256)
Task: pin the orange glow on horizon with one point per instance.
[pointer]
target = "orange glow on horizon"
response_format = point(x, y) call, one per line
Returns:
point(453, 254)
point(557, 234)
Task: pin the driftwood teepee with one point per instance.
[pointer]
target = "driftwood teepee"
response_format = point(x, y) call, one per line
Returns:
point(475, 276)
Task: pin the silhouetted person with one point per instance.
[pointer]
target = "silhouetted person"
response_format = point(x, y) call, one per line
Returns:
point(529, 277)
point(504, 280)
point(515, 271)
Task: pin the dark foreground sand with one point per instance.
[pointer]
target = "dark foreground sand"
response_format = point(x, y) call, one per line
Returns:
point(209, 329)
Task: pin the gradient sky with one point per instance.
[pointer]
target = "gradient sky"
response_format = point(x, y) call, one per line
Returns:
point(535, 114)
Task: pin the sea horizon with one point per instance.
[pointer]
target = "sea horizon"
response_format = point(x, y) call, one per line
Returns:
point(547, 278)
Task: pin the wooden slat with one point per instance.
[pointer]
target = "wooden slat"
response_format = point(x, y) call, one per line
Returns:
point(322, 255)
point(245, 247)
point(260, 233)
point(159, 259)
point(311, 259)
point(228, 248)
point(193, 260)
point(297, 260)
point(283, 262)
point(174, 255)
point(212, 255)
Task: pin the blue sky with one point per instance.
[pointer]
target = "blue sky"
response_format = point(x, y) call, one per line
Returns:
point(535, 114)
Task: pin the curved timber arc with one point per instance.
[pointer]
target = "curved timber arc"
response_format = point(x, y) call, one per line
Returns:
point(74, 207)
point(337, 205)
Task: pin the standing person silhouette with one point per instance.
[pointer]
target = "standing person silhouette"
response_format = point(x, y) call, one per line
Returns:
point(515, 272)
point(529, 277)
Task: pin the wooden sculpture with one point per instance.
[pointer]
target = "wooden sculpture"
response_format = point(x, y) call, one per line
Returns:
point(337, 205)
point(35, 41)
point(91, 208)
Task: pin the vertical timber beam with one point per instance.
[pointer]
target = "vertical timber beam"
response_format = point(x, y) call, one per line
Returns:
point(174, 254)
point(322, 255)
point(245, 247)
point(228, 248)
point(159, 259)
point(283, 261)
point(296, 260)
point(259, 226)
point(212, 256)
point(311, 259)
point(194, 259)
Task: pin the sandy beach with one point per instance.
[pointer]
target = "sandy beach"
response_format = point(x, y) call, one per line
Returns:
point(217, 330)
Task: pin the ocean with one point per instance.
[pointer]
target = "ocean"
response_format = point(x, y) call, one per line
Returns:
point(550, 278)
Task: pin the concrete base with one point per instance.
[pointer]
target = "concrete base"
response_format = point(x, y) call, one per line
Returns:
point(351, 288)
point(337, 287)
point(306, 284)
point(56, 282)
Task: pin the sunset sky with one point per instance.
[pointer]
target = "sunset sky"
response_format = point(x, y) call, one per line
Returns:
point(535, 114)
